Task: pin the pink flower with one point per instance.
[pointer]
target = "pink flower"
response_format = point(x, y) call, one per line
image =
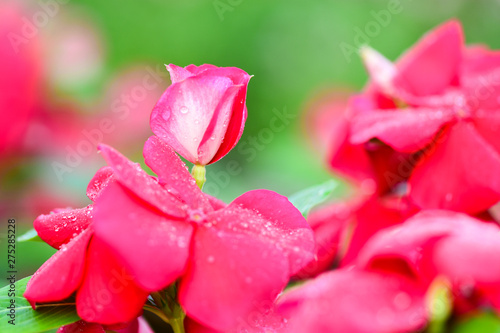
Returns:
point(447, 113)
point(355, 301)
point(105, 291)
point(202, 114)
point(230, 260)
point(446, 244)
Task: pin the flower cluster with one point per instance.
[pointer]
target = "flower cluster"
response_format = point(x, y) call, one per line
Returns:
point(417, 243)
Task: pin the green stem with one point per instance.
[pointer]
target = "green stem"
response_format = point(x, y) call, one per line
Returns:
point(171, 307)
point(177, 325)
point(157, 312)
point(199, 174)
point(439, 304)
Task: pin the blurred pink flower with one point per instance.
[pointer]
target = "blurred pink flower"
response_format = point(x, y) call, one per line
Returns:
point(447, 111)
point(355, 301)
point(444, 244)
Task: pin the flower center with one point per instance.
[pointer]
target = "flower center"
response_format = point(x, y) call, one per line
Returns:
point(197, 216)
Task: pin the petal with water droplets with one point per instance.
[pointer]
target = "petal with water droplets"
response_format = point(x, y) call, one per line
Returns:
point(141, 184)
point(62, 225)
point(231, 277)
point(101, 179)
point(271, 217)
point(173, 174)
point(61, 275)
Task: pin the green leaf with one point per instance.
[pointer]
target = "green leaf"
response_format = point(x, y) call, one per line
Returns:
point(27, 320)
point(313, 196)
point(30, 235)
point(483, 322)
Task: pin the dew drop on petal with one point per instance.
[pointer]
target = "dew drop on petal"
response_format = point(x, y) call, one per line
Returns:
point(184, 110)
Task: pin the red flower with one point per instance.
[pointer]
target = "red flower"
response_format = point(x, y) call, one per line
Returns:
point(434, 244)
point(202, 114)
point(105, 291)
point(355, 301)
point(448, 113)
point(230, 260)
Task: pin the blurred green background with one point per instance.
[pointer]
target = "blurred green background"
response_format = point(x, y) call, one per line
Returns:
point(292, 47)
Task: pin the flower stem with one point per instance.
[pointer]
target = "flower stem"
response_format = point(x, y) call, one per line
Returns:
point(178, 324)
point(439, 305)
point(199, 174)
point(171, 308)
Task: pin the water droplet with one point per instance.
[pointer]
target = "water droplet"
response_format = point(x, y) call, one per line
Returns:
point(184, 110)
point(402, 301)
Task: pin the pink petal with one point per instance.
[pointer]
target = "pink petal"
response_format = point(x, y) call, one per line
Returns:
point(231, 277)
point(464, 259)
point(381, 70)
point(101, 179)
point(185, 110)
point(82, 327)
point(108, 294)
point(58, 228)
point(480, 79)
point(141, 184)
point(226, 126)
point(278, 222)
point(154, 248)
point(487, 123)
point(432, 65)
point(139, 325)
point(200, 69)
point(237, 75)
point(356, 302)
point(406, 130)
point(216, 203)
point(348, 159)
point(61, 275)
point(458, 173)
point(400, 248)
point(173, 174)
point(268, 322)
point(374, 215)
point(177, 73)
